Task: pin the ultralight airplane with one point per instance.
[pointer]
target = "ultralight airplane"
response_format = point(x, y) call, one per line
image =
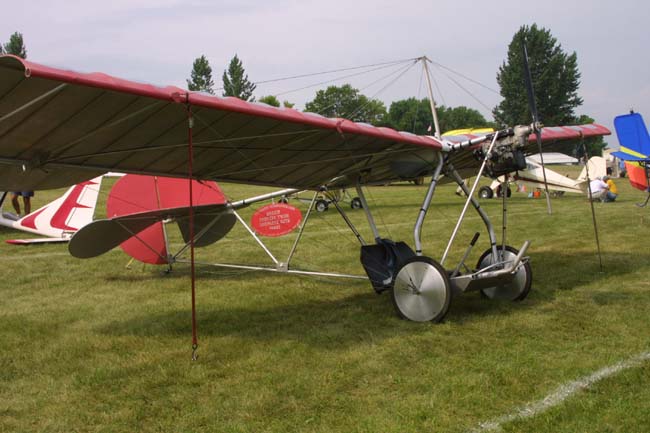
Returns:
point(532, 177)
point(59, 127)
point(635, 150)
point(56, 221)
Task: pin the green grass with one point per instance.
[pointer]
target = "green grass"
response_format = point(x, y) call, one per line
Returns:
point(91, 346)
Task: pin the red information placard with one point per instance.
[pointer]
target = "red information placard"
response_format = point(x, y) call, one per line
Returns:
point(276, 219)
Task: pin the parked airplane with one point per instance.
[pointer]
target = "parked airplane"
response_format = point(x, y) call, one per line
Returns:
point(94, 123)
point(532, 178)
point(58, 220)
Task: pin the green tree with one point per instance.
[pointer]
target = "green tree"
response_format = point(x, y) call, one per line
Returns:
point(201, 76)
point(460, 117)
point(235, 81)
point(275, 102)
point(270, 100)
point(414, 116)
point(346, 102)
point(410, 115)
point(16, 46)
point(555, 79)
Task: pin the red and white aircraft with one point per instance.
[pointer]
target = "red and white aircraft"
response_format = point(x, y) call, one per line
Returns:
point(59, 127)
point(58, 220)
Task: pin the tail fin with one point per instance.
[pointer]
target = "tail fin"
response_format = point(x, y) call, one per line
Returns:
point(66, 214)
point(632, 135)
point(597, 168)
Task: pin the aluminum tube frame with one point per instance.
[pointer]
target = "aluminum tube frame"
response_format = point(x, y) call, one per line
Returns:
point(486, 220)
point(282, 271)
point(257, 239)
point(366, 209)
point(432, 101)
point(302, 228)
point(417, 230)
point(248, 201)
point(349, 223)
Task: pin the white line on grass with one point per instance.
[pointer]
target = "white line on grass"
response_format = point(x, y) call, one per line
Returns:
point(562, 393)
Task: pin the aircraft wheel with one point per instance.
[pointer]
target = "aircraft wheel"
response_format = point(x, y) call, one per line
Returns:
point(485, 192)
point(518, 288)
point(321, 205)
point(284, 200)
point(356, 203)
point(508, 191)
point(421, 291)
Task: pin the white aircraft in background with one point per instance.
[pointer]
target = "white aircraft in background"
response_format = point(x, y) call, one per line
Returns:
point(58, 220)
point(532, 178)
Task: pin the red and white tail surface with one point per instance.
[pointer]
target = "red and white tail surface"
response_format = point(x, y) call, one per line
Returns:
point(60, 219)
point(147, 198)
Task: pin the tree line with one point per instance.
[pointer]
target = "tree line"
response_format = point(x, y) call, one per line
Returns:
point(555, 79)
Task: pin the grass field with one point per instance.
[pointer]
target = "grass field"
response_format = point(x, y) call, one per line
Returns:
point(91, 346)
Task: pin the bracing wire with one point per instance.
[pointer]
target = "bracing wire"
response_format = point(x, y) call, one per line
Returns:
point(465, 77)
point(338, 79)
point(401, 73)
point(332, 71)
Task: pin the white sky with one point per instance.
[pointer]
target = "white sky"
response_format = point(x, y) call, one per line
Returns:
point(157, 41)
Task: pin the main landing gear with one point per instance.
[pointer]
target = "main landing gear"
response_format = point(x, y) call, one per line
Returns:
point(422, 291)
point(421, 287)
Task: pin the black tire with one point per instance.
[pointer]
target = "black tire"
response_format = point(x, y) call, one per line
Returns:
point(355, 203)
point(284, 200)
point(485, 192)
point(508, 191)
point(518, 289)
point(420, 302)
point(321, 205)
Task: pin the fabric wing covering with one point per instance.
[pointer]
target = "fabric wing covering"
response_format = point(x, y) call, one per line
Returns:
point(58, 127)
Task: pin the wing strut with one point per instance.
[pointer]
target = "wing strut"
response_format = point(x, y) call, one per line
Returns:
point(591, 203)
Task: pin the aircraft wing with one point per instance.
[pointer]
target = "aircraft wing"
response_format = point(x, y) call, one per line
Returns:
point(58, 127)
point(55, 125)
point(553, 138)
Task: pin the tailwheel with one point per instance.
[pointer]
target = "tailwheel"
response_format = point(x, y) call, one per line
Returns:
point(519, 287)
point(421, 291)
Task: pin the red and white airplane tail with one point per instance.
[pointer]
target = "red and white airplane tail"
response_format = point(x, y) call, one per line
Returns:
point(58, 220)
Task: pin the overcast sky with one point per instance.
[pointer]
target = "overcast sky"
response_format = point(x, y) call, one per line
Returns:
point(156, 41)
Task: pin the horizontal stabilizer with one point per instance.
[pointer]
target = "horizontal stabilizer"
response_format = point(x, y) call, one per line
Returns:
point(629, 157)
point(207, 231)
point(102, 236)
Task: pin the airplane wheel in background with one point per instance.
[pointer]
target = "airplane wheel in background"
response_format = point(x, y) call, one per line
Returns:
point(284, 200)
point(356, 203)
point(421, 291)
point(321, 205)
point(518, 288)
point(508, 191)
point(485, 192)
